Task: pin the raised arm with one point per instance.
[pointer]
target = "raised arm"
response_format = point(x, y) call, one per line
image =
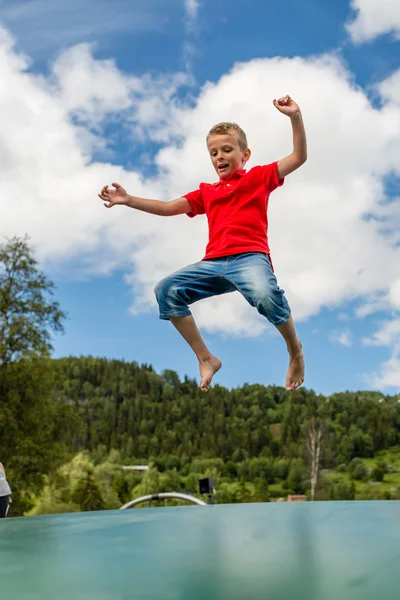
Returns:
point(298, 157)
point(118, 195)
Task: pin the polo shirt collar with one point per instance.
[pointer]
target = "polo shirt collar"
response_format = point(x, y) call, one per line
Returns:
point(235, 174)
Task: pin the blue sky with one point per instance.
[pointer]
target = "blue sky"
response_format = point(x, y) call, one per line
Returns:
point(127, 90)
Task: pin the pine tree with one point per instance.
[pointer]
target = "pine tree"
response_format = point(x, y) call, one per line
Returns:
point(87, 494)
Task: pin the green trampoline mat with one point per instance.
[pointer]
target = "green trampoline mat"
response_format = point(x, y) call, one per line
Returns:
point(276, 551)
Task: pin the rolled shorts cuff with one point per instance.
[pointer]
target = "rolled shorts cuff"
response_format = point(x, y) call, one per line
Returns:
point(172, 314)
point(282, 320)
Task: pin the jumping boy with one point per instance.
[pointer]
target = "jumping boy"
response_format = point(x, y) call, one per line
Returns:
point(237, 255)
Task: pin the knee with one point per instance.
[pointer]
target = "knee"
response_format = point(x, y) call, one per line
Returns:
point(263, 302)
point(161, 290)
point(272, 304)
point(164, 289)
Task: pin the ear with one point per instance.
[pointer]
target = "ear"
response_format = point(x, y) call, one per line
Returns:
point(246, 155)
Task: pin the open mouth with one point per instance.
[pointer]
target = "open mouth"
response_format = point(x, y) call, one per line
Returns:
point(223, 167)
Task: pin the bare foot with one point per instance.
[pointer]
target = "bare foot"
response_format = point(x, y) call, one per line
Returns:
point(295, 374)
point(208, 369)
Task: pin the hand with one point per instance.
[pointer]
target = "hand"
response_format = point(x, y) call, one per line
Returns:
point(287, 106)
point(113, 197)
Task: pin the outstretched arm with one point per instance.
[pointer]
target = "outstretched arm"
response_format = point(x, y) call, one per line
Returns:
point(298, 157)
point(118, 195)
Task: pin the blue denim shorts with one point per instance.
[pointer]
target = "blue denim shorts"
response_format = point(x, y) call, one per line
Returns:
point(249, 273)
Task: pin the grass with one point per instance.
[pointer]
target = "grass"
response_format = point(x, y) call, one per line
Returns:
point(391, 480)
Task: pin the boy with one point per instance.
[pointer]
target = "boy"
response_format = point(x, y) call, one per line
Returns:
point(237, 255)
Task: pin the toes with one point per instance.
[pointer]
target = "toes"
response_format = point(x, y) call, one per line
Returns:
point(293, 385)
point(204, 385)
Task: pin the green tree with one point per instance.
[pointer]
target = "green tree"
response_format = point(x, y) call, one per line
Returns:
point(344, 491)
point(27, 312)
point(379, 470)
point(357, 470)
point(297, 477)
point(262, 489)
point(150, 483)
point(225, 494)
point(87, 494)
point(36, 430)
point(35, 427)
point(49, 503)
point(243, 493)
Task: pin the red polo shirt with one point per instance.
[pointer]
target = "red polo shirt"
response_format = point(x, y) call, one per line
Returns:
point(236, 209)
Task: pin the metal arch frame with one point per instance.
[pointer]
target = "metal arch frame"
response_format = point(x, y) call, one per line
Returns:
point(162, 496)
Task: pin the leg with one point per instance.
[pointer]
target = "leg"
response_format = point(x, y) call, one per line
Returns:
point(208, 363)
point(295, 374)
point(3, 506)
point(253, 276)
point(176, 292)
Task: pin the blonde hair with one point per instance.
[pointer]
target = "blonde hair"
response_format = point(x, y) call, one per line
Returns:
point(228, 127)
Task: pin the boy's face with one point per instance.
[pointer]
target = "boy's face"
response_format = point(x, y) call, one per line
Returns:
point(225, 153)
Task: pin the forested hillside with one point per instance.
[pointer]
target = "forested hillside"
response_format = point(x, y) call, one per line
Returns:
point(148, 416)
point(256, 441)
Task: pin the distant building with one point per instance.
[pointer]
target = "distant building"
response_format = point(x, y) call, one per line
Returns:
point(298, 498)
point(136, 467)
point(293, 498)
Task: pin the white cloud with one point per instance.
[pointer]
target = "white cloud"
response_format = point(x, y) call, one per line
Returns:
point(394, 294)
point(191, 11)
point(59, 24)
point(344, 338)
point(387, 335)
point(326, 253)
point(372, 18)
point(96, 92)
point(388, 375)
point(390, 88)
point(191, 8)
point(46, 166)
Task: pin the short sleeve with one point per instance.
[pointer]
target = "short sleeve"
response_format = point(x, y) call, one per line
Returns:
point(271, 177)
point(196, 202)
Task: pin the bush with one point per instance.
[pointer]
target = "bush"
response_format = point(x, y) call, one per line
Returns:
point(49, 504)
point(338, 490)
point(374, 493)
point(230, 470)
point(357, 470)
point(297, 478)
point(379, 470)
point(343, 491)
point(360, 473)
point(281, 468)
point(277, 492)
point(226, 494)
